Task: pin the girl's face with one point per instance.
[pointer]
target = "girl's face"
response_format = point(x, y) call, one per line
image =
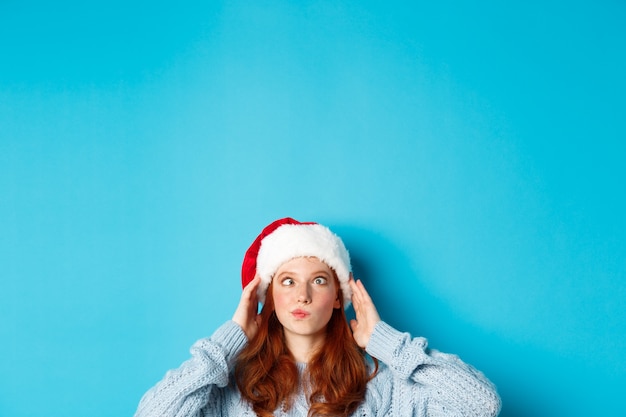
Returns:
point(305, 293)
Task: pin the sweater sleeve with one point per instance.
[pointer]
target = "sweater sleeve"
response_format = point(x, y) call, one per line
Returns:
point(184, 391)
point(437, 384)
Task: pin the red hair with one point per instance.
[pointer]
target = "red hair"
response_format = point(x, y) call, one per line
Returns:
point(267, 376)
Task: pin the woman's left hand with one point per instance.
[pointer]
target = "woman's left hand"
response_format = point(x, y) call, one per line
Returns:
point(366, 314)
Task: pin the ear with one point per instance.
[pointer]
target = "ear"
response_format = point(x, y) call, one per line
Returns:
point(338, 292)
point(337, 303)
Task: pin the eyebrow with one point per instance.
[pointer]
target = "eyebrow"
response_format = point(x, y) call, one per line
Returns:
point(321, 272)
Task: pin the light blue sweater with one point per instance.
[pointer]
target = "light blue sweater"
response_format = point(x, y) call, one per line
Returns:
point(411, 382)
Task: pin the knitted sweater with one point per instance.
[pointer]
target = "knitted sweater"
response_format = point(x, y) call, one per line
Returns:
point(412, 381)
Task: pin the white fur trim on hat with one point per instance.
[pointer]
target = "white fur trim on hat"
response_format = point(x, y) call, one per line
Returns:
point(296, 240)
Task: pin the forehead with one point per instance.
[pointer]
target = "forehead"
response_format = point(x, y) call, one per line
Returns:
point(304, 263)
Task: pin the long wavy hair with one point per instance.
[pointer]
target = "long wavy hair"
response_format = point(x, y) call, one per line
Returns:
point(336, 377)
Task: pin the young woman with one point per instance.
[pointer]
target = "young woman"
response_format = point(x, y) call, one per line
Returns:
point(299, 356)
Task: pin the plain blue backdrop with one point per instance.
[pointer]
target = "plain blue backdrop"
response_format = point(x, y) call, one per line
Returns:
point(472, 156)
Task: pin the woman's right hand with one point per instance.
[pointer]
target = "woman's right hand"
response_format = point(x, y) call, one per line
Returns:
point(246, 315)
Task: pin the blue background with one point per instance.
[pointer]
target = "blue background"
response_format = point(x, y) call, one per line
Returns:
point(471, 155)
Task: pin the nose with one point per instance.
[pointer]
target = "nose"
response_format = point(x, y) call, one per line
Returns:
point(304, 294)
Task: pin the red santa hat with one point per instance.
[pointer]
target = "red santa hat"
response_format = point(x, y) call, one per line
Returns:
point(285, 239)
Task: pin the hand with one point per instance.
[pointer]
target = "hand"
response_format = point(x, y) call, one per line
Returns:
point(246, 315)
point(366, 314)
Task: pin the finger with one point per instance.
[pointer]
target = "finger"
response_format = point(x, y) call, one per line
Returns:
point(361, 288)
point(358, 310)
point(251, 288)
point(360, 303)
point(363, 292)
point(356, 291)
point(352, 284)
point(253, 296)
point(254, 283)
point(356, 301)
point(354, 325)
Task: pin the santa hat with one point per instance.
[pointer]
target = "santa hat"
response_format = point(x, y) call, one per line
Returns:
point(285, 239)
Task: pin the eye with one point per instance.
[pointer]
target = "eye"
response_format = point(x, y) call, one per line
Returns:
point(287, 281)
point(320, 280)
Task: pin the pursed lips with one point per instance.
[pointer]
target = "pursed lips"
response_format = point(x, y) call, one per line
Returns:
point(300, 314)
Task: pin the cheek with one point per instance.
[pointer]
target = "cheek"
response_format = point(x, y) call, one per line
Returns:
point(328, 298)
point(280, 299)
